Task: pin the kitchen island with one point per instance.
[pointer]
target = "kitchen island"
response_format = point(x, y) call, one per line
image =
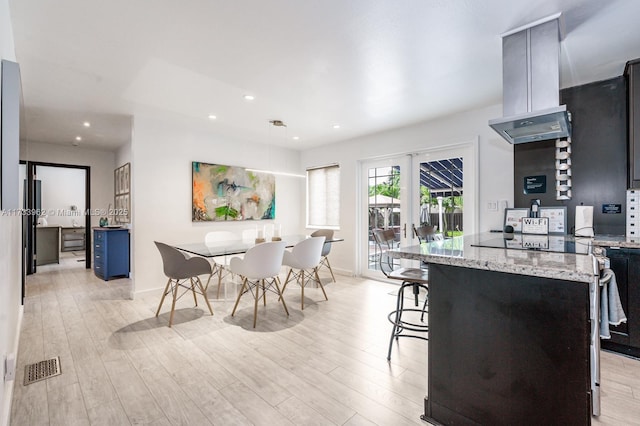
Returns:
point(512, 335)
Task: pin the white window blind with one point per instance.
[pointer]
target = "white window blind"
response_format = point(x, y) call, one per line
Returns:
point(323, 197)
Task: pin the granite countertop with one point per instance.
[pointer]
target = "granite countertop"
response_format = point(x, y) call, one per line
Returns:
point(616, 241)
point(460, 251)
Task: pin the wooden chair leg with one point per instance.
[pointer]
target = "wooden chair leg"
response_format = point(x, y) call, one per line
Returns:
point(302, 289)
point(264, 294)
point(330, 270)
point(206, 287)
point(315, 271)
point(166, 288)
point(214, 271)
point(174, 288)
point(204, 294)
point(284, 305)
point(286, 281)
point(244, 283)
point(255, 303)
point(193, 290)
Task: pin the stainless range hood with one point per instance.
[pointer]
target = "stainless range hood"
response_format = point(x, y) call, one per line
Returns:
point(531, 84)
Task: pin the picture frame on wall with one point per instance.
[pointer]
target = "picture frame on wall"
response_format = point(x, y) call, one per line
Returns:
point(122, 198)
point(231, 193)
point(116, 181)
point(126, 181)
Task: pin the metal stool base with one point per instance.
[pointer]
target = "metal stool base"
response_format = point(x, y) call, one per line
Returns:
point(400, 325)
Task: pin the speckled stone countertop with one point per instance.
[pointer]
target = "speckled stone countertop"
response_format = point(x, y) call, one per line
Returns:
point(462, 251)
point(616, 241)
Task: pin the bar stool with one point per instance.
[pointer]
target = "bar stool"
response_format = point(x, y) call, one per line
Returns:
point(415, 278)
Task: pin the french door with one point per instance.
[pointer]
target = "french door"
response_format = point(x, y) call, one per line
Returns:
point(437, 187)
point(445, 189)
point(387, 205)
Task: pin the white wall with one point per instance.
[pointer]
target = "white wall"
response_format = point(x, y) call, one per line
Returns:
point(102, 165)
point(10, 241)
point(495, 168)
point(161, 154)
point(60, 189)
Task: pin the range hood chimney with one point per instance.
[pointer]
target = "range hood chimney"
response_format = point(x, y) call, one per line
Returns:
point(531, 84)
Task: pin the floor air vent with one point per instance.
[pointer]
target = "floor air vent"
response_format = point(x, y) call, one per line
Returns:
point(41, 370)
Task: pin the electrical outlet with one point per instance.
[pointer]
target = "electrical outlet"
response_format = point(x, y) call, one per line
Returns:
point(504, 204)
point(9, 368)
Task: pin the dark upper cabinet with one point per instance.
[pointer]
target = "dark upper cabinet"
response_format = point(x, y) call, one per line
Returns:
point(632, 74)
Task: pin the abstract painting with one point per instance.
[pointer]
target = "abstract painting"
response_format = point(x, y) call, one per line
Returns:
point(228, 193)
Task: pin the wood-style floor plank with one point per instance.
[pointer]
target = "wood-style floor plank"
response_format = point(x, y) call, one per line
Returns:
point(66, 406)
point(324, 365)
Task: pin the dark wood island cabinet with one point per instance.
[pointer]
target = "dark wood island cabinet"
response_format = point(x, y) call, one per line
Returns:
point(507, 349)
point(513, 334)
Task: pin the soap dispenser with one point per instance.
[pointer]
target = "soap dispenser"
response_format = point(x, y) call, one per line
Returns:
point(535, 207)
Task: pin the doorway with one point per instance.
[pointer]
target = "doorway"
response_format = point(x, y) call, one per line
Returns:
point(59, 196)
point(437, 186)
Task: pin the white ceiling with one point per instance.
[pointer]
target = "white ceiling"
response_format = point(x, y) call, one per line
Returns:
point(367, 65)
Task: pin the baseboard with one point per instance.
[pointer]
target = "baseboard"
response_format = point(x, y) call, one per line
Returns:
point(346, 272)
point(157, 290)
point(8, 386)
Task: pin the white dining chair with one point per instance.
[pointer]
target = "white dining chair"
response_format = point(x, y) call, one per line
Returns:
point(304, 258)
point(259, 269)
point(219, 238)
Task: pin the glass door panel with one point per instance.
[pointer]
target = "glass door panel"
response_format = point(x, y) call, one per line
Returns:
point(440, 193)
point(386, 205)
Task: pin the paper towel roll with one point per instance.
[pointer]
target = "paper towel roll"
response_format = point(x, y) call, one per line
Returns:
point(584, 221)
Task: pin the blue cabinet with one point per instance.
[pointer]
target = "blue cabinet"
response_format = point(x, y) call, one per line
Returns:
point(110, 253)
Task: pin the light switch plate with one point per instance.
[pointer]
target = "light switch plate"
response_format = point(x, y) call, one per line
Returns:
point(492, 206)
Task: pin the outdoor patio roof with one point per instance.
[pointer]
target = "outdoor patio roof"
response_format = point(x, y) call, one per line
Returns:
point(442, 175)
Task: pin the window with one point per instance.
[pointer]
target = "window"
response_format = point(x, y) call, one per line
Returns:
point(323, 197)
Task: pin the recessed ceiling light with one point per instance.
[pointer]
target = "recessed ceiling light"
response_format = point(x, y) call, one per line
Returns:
point(86, 124)
point(336, 126)
point(296, 138)
point(212, 117)
point(249, 97)
point(78, 138)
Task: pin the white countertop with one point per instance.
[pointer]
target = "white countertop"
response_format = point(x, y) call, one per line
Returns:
point(459, 251)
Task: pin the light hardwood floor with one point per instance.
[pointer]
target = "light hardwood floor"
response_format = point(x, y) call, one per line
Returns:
point(325, 365)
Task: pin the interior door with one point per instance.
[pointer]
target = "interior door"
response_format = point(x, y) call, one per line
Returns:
point(387, 205)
